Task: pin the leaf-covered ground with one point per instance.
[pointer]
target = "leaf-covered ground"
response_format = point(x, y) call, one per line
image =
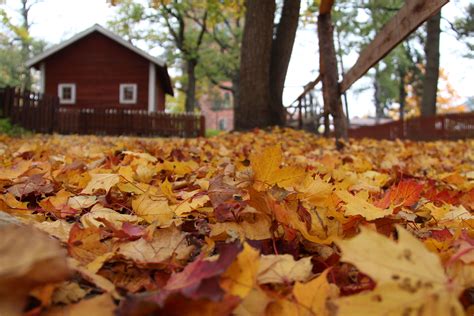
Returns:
point(259, 223)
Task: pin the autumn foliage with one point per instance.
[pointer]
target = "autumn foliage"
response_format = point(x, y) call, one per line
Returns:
point(258, 223)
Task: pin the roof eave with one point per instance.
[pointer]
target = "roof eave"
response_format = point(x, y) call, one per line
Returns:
point(35, 60)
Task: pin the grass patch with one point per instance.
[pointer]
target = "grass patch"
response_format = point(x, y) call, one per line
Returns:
point(212, 132)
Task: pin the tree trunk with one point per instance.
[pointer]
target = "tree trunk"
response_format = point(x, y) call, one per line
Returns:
point(25, 45)
point(235, 90)
point(282, 48)
point(379, 113)
point(191, 89)
point(430, 82)
point(254, 107)
point(402, 93)
point(329, 73)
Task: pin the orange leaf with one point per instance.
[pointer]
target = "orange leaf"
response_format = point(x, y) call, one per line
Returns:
point(406, 193)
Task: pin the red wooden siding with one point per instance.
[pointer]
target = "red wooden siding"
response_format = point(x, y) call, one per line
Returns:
point(98, 65)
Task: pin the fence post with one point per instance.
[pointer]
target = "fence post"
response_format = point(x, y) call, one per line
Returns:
point(300, 114)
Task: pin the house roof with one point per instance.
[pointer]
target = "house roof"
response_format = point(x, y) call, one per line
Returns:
point(33, 62)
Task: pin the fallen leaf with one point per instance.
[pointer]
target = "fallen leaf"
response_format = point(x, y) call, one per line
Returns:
point(166, 244)
point(25, 264)
point(405, 193)
point(92, 218)
point(408, 276)
point(101, 181)
point(283, 269)
point(153, 209)
point(313, 295)
point(241, 276)
point(198, 279)
point(13, 172)
point(102, 305)
point(356, 205)
point(267, 172)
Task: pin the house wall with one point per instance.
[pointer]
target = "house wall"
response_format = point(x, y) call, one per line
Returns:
point(98, 65)
point(160, 95)
point(215, 117)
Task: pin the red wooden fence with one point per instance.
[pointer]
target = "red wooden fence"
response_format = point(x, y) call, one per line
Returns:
point(42, 113)
point(447, 127)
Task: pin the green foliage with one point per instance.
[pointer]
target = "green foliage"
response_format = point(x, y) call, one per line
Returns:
point(6, 127)
point(16, 47)
point(356, 25)
point(10, 65)
point(205, 32)
point(212, 132)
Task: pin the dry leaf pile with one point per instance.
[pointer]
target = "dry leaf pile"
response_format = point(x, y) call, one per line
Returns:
point(258, 223)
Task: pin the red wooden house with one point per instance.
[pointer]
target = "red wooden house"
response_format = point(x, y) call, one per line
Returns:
point(98, 69)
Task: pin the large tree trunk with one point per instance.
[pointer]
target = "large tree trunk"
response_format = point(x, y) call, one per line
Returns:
point(191, 89)
point(282, 48)
point(430, 83)
point(254, 107)
point(329, 73)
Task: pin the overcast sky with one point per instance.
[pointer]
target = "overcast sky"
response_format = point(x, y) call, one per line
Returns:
point(57, 20)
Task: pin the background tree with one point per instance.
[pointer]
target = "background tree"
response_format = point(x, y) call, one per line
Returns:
point(464, 28)
point(430, 82)
point(17, 46)
point(201, 39)
point(264, 57)
point(356, 24)
point(282, 47)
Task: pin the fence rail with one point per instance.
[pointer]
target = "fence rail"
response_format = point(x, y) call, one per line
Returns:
point(42, 113)
point(447, 127)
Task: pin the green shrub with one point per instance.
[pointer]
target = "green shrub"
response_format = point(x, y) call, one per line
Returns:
point(6, 127)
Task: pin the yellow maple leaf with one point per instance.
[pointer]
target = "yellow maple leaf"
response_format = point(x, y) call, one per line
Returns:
point(313, 295)
point(178, 167)
point(101, 181)
point(190, 203)
point(13, 172)
point(410, 278)
point(357, 205)
point(258, 229)
point(152, 209)
point(314, 191)
point(255, 303)
point(240, 277)
point(267, 171)
point(11, 202)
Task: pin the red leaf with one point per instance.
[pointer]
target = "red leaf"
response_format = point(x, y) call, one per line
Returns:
point(441, 234)
point(128, 231)
point(406, 193)
point(199, 279)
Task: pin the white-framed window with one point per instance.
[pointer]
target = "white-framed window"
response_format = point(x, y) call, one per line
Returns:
point(128, 93)
point(67, 93)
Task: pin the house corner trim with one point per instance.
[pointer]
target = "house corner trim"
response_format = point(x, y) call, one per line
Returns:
point(152, 87)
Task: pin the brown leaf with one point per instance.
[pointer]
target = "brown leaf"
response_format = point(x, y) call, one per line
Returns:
point(25, 264)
